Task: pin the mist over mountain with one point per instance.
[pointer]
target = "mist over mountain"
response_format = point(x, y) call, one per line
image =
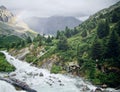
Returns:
point(52, 24)
point(85, 58)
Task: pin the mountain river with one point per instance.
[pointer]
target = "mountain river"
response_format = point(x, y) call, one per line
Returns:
point(42, 80)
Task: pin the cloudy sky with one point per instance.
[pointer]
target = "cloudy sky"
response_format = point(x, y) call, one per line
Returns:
point(45, 8)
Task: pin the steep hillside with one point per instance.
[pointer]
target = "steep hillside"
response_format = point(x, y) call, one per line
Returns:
point(95, 49)
point(5, 15)
point(89, 27)
point(52, 24)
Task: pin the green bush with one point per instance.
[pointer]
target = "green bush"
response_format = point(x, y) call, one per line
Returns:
point(4, 65)
point(56, 69)
point(30, 58)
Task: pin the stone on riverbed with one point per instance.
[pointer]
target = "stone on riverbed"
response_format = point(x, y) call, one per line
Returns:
point(85, 88)
point(104, 86)
point(41, 74)
point(98, 89)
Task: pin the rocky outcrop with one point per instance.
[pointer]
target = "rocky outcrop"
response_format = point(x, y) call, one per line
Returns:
point(11, 25)
point(47, 63)
point(20, 54)
point(5, 15)
point(19, 84)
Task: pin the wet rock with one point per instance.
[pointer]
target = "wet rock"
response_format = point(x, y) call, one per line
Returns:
point(104, 86)
point(85, 88)
point(78, 85)
point(51, 80)
point(98, 89)
point(59, 80)
point(36, 74)
point(49, 83)
point(13, 74)
point(106, 91)
point(41, 74)
point(19, 84)
point(30, 74)
point(61, 84)
point(52, 77)
point(11, 59)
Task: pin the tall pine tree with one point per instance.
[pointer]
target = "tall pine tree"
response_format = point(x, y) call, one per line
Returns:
point(113, 46)
point(117, 27)
point(68, 32)
point(97, 50)
point(29, 40)
point(62, 43)
point(103, 29)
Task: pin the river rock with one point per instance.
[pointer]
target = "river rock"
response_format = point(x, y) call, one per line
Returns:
point(41, 74)
point(61, 84)
point(85, 88)
point(78, 85)
point(59, 80)
point(36, 74)
point(13, 74)
point(98, 89)
point(104, 86)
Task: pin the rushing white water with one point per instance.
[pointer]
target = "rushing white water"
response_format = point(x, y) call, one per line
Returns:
point(42, 81)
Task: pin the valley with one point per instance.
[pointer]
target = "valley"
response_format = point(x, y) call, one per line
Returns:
point(83, 58)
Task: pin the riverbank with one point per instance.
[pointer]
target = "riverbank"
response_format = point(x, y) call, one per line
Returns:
point(43, 81)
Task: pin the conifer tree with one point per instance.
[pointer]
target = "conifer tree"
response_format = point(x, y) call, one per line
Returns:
point(113, 46)
point(58, 34)
point(84, 33)
point(103, 29)
point(117, 28)
point(62, 43)
point(49, 39)
point(97, 50)
point(29, 40)
point(67, 32)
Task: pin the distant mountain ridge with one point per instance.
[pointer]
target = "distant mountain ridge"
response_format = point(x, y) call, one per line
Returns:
point(11, 25)
point(52, 24)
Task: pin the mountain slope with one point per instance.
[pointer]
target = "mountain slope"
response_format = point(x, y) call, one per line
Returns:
point(97, 53)
point(87, 53)
point(50, 25)
point(11, 25)
point(98, 56)
point(90, 25)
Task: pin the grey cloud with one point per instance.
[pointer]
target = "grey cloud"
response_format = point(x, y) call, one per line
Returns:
point(41, 8)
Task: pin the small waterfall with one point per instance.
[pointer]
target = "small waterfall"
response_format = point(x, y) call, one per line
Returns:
point(42, 81)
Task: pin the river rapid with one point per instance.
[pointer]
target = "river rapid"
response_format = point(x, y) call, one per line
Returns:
point(42, 80)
